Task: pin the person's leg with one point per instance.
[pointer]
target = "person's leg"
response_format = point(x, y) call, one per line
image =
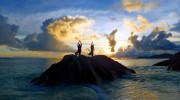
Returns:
point(89, 53)
point(79, 52)
point(76, 52)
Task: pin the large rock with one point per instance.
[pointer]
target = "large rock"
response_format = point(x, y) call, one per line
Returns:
point(175, 66)
point(173, 63)
point(163, 63)
point(74, 69)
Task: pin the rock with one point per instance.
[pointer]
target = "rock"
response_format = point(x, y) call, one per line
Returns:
point(175, 66)
point(163, 63)
point(76, 70)
point(173, 63)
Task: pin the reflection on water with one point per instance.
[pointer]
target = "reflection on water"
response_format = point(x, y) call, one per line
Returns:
point(129, 90)
point(140, 62)
point(134, 90)
point(150, 82)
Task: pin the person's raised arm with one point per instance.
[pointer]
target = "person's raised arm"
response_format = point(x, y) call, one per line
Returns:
point(80, 43)
point(77, 43)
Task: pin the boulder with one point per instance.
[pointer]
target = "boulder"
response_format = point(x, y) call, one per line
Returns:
point(175, 66)
point(173, 63)
point(77, 70)
point(163, 63)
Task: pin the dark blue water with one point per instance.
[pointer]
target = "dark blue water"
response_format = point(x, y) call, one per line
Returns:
point(150, 83)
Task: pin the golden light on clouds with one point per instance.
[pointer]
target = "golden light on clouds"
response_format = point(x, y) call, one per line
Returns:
point(71, 29)
point(138, 5)
point(140, 27)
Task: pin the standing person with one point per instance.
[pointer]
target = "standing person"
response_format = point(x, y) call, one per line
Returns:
point(92, 49)
point(79, 46)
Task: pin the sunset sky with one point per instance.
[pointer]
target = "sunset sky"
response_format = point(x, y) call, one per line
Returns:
point(49, 28)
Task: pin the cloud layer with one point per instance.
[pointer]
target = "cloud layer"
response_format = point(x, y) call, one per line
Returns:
point(69, 28)
point(45, 41)
point(176, 27)
point(143, 24)
point(55, 35)
point(138, 5)
point(8, 33)
point(155, 42)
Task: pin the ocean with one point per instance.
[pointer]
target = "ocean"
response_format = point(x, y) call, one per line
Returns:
point(150, 82)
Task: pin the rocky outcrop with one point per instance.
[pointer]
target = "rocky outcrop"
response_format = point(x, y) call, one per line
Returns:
point(163, 63)
point(173, 63)
point(77, 70)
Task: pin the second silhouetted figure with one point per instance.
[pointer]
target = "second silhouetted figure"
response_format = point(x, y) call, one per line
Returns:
point(92, 49)
point(79, 45)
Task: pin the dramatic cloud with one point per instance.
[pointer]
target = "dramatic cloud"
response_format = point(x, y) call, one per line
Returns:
point(143, 24)
point(111, 39)
point(45, 41)
point(56, 35)
point(138, 5)
point(156, 41)
point(176, 27)
point(8, 33)
point(70, 28)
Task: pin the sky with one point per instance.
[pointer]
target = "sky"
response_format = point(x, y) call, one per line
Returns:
point(122, 28)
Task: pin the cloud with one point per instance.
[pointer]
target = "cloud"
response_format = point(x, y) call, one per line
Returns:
point(111, 39)
point(70, 28)
point(143, 24)
point(156, 42)
point(138, 5)
point(174, 14)
point(8, 33)
point(133, 52)
point(176, 27)
point(45, 41)
point(57, 34)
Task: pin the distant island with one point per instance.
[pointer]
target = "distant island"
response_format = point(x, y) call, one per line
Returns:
point(164, 55)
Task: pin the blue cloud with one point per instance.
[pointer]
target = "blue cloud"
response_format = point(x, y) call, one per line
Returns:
point(176, 27)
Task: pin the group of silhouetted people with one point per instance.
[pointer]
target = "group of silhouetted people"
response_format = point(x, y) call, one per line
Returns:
point(79, 46)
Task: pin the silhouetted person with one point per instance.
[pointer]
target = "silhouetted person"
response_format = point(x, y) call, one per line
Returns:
point(92, 49)
point(79, 45)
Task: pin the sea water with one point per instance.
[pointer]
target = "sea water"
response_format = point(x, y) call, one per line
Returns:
point(150, 82)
